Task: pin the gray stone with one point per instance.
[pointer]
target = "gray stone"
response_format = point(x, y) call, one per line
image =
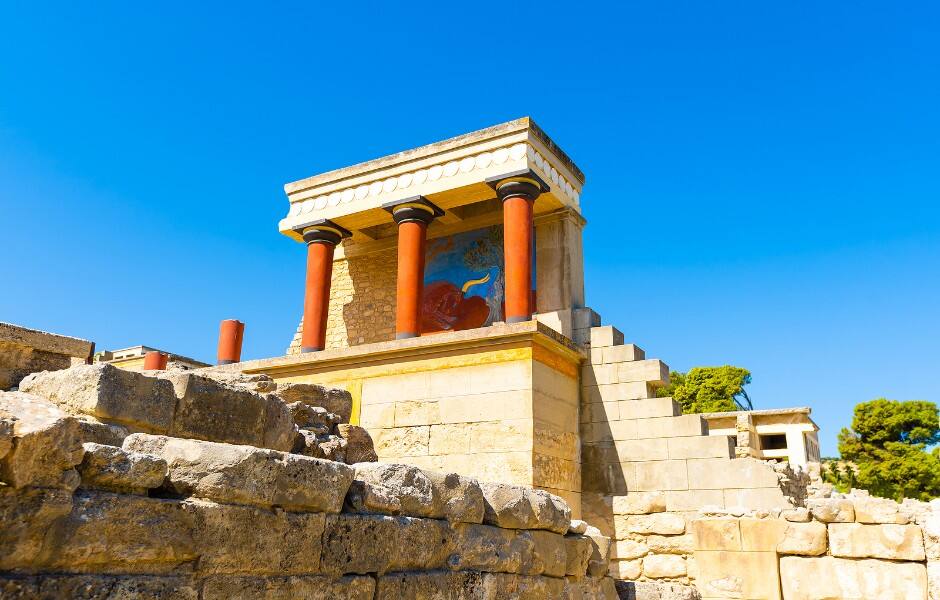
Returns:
point(329, 446)
point(314, 418)
point(112, 468)
point(247, 475)
point(42, 443)
point(108, 393)
point(333, 400)
point(650, 590)
point(410, 485)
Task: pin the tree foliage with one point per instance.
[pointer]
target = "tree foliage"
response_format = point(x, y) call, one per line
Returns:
point(709, 389)
point(889, 442)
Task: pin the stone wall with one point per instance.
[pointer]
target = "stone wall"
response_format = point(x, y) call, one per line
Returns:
point(24, 351)
point(121, 485)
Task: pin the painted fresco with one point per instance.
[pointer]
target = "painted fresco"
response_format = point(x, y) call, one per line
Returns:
point(463, 281)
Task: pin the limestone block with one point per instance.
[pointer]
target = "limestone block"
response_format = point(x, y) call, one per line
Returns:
point(130, 587)
point(626, 569)
point(933, 580)
point(377, 416)
point(628, 549)
point(402, 441)
point(209, 410)
point(113, 468)
point(334, 400)
point(671, 544)
point(590, 588)
point(669, 427)
point(662, 475)
point(502, 436)
point(893, 542)
point(314, 418)
point(577, 554)
point(117, 533)
point(642, 450)
point(359, 445)
point(709, 446)
point(739, 575)
point(93, 430)
point(757, 499)
point(647, 408)
point(600, 552)
point(657, 523)
point(417, 412)
point(452, 438)
point(517, 507)
point(739, 473)
point(622, 353)
point(379, 544)
point(6, 433)
point(287, 588)
point(42, 443)
point(828, 577)
point(806, 539)
point(27, 516)
point(461, 498)
point(599, 375)
point(549, 554)
point(107, 392)
point(584, 318)
point(614, 392)
point(606, 478)
point(873, 510)
point(521, 587)
point(639, 503)
point(656, 590)
point(693, 500)
point(663, 566)
point(488, 548)
point(797, 515)
point(247, 475)
point(717, 534)
point(434, 585)
point(410, 486)
point(247, 540)
point(831, 510)
point(650, 371)
point(605, 336)
point(577, 526)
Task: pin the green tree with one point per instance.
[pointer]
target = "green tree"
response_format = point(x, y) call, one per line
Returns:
point(888, 442)
point(709, 389)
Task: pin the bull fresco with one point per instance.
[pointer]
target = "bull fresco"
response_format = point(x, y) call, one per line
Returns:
point(463, 281)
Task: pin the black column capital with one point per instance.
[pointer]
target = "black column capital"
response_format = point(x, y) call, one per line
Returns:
point(519, 184)
point(324, 232)
point(415, 208)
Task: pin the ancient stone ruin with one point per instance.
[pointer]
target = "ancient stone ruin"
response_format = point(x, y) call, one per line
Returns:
point(123, 485)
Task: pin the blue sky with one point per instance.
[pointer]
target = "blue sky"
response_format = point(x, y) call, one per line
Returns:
point(762, 178)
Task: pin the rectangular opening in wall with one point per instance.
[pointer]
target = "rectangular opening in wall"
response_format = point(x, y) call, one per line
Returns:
point(773, 441)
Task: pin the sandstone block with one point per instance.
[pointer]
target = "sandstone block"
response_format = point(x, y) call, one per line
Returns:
point(334, 400)
point(626, 569)
point(247, 540)
point(379, 544)
point(873, 510)
point(628, 549)
point(648, 408)
point(671, 544)
point(693, 500)
point(209, 410)
point(27, 516)
point(806, 539)
point(659, 475)
point(739, 575)
point(247, 475)
point(663, 566)
point(577, 554)
point(831, 510)
point(893, 542)
point(549, 554)
point(639, 503)
point(797, 515)
point(707, 446)
point(761, 535)
point(314, 418)
point(722, 473)
point(829, 577)
point(515, 507)
point(717, 534)
point(522, 587)
point(359, 446)
point(402, 441)
point(656, 590)
point(410, 486)
point(42, 442)
point(642, 450)
point(107, 392)
point(658, 523)
point(488, 548)
point(650, 370)
point(622, 353)
point(287, 588)
point(602, 337)
point(113, 468)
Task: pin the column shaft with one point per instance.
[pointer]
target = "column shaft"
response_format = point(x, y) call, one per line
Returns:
point(231, 332)
point(517, 250)
point(317, 295)
point(412, 236)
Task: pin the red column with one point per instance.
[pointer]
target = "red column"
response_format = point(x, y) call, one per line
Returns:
point(231, 333)
point(518, 196)
point(321, 241)
point(413, 217)
point(155, 361)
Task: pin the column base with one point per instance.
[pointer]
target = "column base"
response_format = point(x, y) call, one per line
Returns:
point(518, 319)
point(404, 335)
point(305, 349)
point(227, 362)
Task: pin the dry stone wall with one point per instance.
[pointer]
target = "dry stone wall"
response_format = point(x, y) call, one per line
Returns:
point(162, 515)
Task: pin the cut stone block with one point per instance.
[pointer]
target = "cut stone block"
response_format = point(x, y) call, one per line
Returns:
point(332, 399)
point(549, 554)
point(577, 554)
point(605, 336)
point(829, 577)
point(584, 318)
point(806, 539)
point(892, 542)
point(639, 503)
point(739, 575)
point(873, 510)
point(517, 507)
point(461, 498)
point(107, 392)
point(724, 473)
point(308, 587)
point(359, 445)
point(652, 371)
point(709, 446)
point(668, 427)
point(623, 353)
point(42, 443)
point(116, 469)
point(664, 566)
point(600, 552)
point(98, 587)
point(648, 408)
point(831, 510)
point(107, 434)
point(429, 586)
point(662, 475)
point(247, 475)
point(717, 534)
point(658, 523)
point(27, 516)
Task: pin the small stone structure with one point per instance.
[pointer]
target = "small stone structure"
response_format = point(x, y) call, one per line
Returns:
point(24, 351)
point(121, 485)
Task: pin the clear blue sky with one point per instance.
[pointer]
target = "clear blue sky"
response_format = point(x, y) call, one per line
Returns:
point(763, 178)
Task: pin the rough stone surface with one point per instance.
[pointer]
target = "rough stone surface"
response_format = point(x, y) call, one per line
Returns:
point(827, 577)
point(113, 468)
point(27, 516)
point(247, 475)
point(288, 588)
point(600, 552)
point(42, 443)
point(93, 430)
point(657, 523)
point(359, 445)
point(663, 566)
point(578, 549)
point(639, 503)
point(893, 542)
point(874, 510)
point(807, 539)
point(410, 486)
point(461, 498)
point(516, 507)
point(831, 510)
point(488, 548)
point(577, 526)
point(97, 587)
point(108, 393)
point(333, 400)
point(648, 590)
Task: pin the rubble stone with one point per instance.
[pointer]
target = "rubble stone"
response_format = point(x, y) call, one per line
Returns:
point(461, 498)
point(515, 507)
point(359, 445)
point(42, 443)
point(578, 549)
point(831, 510)
point(27, 516)
point(333, 400)
point(112, 468)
